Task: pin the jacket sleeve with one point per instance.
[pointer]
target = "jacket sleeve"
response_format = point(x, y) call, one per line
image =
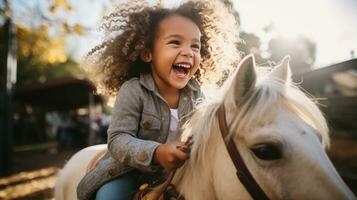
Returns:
point(123, 144)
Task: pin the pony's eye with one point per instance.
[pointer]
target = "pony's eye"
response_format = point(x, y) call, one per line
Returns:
point(267, 152)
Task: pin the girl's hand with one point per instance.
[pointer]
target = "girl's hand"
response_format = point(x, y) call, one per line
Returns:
point(171, 155)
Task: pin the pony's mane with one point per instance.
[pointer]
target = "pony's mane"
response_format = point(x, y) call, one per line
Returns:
point(268, 96)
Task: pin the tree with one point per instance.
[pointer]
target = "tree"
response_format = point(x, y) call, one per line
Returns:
point(36, 51)
point(41, 57)
point(301, 49)
point(41, 46)
point(250, 44)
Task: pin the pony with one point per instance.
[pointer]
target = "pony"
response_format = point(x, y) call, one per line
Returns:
point(280, 132)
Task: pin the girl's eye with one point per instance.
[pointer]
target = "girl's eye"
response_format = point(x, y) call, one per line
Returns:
point(176, 42)
point(196, 46)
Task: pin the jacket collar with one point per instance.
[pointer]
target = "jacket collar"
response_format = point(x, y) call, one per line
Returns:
point(147, 81)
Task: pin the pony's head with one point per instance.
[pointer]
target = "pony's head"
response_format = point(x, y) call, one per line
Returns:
point(279, 131)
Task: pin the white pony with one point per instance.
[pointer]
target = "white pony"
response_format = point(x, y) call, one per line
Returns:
point(279, 131)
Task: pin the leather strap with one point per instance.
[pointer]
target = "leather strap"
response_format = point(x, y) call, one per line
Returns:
point(172, 194)
point(243, 173)
point(165, 190)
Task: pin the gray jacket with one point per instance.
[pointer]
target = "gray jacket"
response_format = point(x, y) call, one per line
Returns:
point(140, 122)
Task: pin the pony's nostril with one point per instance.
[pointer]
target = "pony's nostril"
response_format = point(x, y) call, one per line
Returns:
point(267, 152)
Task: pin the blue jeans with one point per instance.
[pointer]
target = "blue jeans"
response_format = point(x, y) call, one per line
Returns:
point(123, 187)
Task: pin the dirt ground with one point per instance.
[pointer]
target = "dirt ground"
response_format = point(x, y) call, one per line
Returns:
point(34, 173)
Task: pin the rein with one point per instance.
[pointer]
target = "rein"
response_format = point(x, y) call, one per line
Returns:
point(166, 190)
point(243, 173)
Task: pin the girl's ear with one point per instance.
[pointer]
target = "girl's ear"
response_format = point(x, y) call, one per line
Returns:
point(145, 55)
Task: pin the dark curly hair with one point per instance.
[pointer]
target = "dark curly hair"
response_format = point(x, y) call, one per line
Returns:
point(132, 26)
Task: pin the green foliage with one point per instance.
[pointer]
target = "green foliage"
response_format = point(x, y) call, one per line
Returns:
point(29, 73)
point(41, 57)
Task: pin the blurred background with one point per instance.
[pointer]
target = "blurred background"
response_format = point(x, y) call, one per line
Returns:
point(49, 108)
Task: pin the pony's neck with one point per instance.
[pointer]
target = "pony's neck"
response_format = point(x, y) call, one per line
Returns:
point(194, 179)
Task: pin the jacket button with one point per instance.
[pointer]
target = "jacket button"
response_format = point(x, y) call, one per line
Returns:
point(111, 172)
point(147, 125)
point(143, 157)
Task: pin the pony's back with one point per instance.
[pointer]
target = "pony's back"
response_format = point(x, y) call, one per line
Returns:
point(74, 170)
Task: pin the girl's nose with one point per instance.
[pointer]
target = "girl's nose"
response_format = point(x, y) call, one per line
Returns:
point(187, 52)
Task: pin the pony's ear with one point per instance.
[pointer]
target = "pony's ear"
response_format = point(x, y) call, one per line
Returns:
point(282, 71)
point(244, 79)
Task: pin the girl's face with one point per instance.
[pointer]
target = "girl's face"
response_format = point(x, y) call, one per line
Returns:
point(175, 53)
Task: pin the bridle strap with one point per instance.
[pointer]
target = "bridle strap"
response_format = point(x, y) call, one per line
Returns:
point(243, 173)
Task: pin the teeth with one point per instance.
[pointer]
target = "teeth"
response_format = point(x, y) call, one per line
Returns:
point(184, 66)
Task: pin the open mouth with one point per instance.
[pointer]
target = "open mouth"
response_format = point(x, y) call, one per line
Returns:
point(181, 69)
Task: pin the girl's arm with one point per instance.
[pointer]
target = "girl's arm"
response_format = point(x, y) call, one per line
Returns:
point(123, 144)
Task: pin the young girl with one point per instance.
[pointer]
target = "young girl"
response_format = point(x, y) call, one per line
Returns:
point(157, 57)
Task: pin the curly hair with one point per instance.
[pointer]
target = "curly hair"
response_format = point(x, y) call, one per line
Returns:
point(132, 27)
